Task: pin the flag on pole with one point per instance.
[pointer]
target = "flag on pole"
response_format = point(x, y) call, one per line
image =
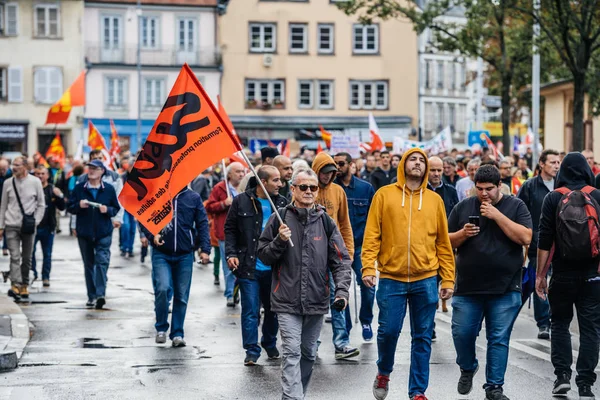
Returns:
point(115, 149)
point(95, 139)
point(56, 150)
point(40, 160)
point(319, 148)
point(72, 97)
point(326, 136)
point(376, 142)
point(495, 153)
point(189, 135)
point(287, 150)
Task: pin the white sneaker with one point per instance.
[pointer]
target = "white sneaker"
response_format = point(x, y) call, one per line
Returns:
point(178, 341)
point(161, 337)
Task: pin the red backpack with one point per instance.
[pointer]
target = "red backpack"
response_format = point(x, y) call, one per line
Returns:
point(577, 225)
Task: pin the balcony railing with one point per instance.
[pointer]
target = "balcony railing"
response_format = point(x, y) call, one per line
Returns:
point(163, 56)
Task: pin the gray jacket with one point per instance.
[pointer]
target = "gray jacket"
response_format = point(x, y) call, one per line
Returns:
point(32, 197)
point(300, 282)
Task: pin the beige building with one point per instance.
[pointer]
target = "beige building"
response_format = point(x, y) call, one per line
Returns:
point(558, 119)
point(289, 66)
point(41, 54)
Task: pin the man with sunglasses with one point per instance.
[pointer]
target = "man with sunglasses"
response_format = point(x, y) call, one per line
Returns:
point(300, 295)
point(359, 194)
point(20, 245)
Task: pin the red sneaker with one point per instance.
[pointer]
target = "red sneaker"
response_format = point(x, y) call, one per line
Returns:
point(381, 386)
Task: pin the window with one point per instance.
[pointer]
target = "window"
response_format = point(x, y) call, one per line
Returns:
point(48, 85)
point(460, 119)
point(3, 84)
point(461, 76)
point(46, 20)
point(15, 84)
point(325, 38)
point(429, 117)
point(263, 38)
point(427, 71)
point(298, 38)
point(452, 80)
point(440, 117)
point(111, 32)
point(325, 94)
point(305, 94)
point(116, 92)
point(8, 19)
point(265, 93)
point(149, 32)
point(187, 35)
point(154, 89)
point(452, 115)
point(440, 75)
point(368, 95)
point(366, 39)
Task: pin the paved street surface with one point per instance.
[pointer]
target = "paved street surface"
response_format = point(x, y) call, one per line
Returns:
point(77, 353)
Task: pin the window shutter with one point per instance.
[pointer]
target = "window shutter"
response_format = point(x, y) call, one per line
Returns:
point(40, 81)
point(56, 84)
point(12, 14)
point(15, 85)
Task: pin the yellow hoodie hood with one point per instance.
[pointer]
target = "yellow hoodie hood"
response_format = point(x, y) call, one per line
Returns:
point(401, 183)
point(322, 159)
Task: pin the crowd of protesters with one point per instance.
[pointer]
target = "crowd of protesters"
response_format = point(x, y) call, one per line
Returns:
point(412, 228)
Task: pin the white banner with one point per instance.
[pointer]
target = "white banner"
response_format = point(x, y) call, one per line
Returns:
point(439, 143)
point(345, 144)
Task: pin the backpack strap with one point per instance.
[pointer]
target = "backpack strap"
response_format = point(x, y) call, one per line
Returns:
point(563, 190)
point(588, 189)
point(328, 224)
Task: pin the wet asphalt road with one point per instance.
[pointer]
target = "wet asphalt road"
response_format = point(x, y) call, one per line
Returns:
point(77, 353)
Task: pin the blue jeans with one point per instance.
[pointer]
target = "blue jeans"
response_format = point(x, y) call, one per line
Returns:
point(392, 299)
point(171, 274)
point(127, 232)
point(46, 237)
point(227, 274)
point(96, 258)
point(500, 313)
point(541, 308)
point(253, 293)
point(367, 294)
point(341, 321)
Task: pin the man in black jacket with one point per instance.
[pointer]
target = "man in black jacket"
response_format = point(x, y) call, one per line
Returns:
point(55, 200)
point(245, 221)
point(574, 282)
point(300, 294)
point(383, 175)
point(446, 191)
point(532, 193)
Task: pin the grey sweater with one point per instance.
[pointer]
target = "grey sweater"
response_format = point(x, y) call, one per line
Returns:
point(32, 197)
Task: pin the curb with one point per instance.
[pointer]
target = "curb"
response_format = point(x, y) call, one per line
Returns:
point(15, 334)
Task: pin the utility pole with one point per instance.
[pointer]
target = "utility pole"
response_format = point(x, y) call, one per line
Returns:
point(535, 90)
point(138, 137)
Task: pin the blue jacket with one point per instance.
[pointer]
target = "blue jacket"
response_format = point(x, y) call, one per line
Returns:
point(188, 230)
point(360, 194)
point(91, 223)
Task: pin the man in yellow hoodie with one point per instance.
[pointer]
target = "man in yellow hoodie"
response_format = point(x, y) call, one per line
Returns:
point(333, 197)
point(406, 239)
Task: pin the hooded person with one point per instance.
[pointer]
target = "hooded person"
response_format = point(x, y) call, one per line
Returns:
point(406, 239)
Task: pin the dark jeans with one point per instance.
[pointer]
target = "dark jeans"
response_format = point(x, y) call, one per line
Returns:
point(96, 258)
point(171, 274)
point(392, 299)
point(500, 313)
point(46, 238)
point(367, 294)
point(127, 232)
point(541, 308)
point(566, 291)
point(253, 293)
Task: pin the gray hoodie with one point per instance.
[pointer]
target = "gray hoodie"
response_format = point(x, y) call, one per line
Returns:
point(32, 197)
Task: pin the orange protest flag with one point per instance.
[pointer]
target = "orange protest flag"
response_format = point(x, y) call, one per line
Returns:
point(56, 151)
point(326, 136)
point(72, 97)
point(188, 136)
point(319, 148)
point(40, 160)
point(95, 139)
point(115, 149)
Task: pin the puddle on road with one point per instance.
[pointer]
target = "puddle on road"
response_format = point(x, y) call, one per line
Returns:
point(26, 302)
point(95, 343)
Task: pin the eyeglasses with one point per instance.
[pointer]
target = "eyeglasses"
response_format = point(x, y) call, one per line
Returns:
point(341, 164)
point(304, 188)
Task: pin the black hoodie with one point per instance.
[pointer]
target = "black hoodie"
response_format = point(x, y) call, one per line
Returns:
point(574, 173)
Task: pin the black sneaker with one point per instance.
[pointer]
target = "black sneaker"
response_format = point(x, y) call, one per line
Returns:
point(346, 352)
point(433, 336)
point(90, 303)
point(465, 382)
point(100, 302)
point(273, 353)
point(250, 360)
point(544, 333)
point(217, 282)
point(123, 254)
point(562, 385)
point(585, 393)
point(495, 394)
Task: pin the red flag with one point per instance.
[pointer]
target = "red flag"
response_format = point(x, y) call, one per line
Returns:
point(319, 148)
point(287, 150)
point(495, 153)
point(188, 136)
point(326, 136)
point(95, 139)
point(56, 151)
point(73, 96)
point(376, 142)
point(40, 160)
point(115, 149)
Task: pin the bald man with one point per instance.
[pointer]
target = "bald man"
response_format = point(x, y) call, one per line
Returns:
point(284, 165)
point(436, 183)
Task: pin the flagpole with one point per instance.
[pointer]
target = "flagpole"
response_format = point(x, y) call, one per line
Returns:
point(264, 190)
point(225, 178)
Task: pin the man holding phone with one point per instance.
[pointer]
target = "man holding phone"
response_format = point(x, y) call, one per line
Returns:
point(489, 231)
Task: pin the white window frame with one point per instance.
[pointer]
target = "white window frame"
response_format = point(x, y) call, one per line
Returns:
point(46, 7)
point(311, 91)
point(331, 48)
point(304, 48)
point(146, 43)
point(194, 45)
point(363, 49)
point(427, 80)
point(373, 87)
point(156, 99)
point(14, 77)
point(331, 85)
point(271, 86)
point(5, 25)
point(452, 115)
point(43, 94)
point(114, 79)
point(261, 48)
point(119, 20)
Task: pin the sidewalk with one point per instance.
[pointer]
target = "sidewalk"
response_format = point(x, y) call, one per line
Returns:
point(14, 333)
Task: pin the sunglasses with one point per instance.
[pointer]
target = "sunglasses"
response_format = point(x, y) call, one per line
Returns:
point(341, 164)
point(304, 188)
